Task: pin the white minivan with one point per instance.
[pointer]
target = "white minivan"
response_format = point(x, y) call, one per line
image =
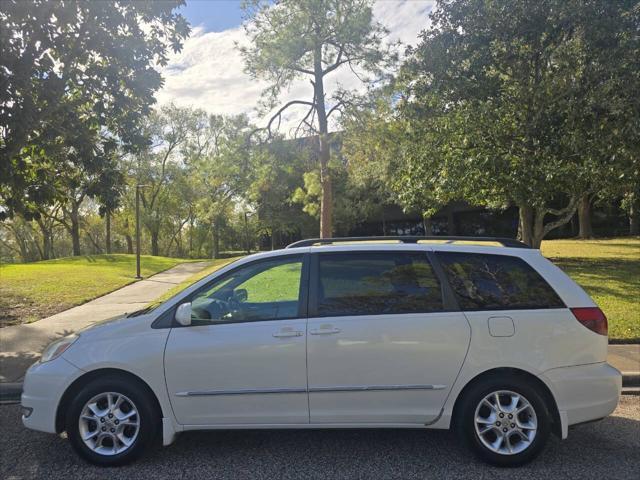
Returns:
point(494, 341)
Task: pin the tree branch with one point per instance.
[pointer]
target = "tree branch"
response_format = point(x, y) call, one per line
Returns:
point(304, 121)
point(154, 196)
point(301, 70)
point(278, 115)
point(558, 212)
point(338, 61)
point(95, 244)
point(336, 107)
point(356, 73)
point(565, 215)
point(175, 235)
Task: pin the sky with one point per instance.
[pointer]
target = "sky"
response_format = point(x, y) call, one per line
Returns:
point(208, 72)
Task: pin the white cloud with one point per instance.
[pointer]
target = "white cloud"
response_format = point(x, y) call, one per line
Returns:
point(208, 72)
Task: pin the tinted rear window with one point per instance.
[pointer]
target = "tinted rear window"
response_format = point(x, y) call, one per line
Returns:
point(375, 283)
point(496, 282)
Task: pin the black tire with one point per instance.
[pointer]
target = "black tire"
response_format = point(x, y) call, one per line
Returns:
point(465, 423)
point(148, 418)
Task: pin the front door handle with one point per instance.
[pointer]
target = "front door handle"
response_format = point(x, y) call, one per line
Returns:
point(287, 333)
point(325, 330)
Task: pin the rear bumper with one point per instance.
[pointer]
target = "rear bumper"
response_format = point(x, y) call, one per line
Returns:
point(585, 392)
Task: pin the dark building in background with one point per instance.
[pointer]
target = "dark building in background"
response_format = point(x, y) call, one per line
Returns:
point(460, 218)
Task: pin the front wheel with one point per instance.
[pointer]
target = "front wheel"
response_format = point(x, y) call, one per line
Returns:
point(504, 421)
point(111, 421)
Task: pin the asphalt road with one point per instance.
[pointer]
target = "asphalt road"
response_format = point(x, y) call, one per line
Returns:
point(602, 450)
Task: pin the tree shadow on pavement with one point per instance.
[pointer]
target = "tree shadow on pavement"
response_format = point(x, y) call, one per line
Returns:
point(13, 365)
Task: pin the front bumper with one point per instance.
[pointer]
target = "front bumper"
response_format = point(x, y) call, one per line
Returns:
point(584, 392)
point(44, 385)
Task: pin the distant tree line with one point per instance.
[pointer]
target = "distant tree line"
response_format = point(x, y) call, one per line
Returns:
point(510, 103)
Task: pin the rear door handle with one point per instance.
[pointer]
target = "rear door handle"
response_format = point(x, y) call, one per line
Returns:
point(287, 333)
point(324, 331)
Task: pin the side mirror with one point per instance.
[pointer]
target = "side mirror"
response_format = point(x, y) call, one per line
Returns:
point(183, 314)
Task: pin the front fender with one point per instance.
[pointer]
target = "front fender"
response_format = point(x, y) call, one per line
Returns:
point(140, 354)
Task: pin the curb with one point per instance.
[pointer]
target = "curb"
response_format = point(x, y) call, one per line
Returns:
point(10, 392)
point(631, 379)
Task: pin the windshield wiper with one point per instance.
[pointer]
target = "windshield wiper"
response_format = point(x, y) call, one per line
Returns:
point(142, 311)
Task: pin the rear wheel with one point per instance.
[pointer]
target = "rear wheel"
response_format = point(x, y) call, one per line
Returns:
point(504, 421)
point(111, 421)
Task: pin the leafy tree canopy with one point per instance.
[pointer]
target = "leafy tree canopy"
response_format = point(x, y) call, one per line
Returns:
point(75, 79)
point(522, 102)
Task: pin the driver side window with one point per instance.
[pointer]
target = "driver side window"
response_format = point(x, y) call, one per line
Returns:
point(266, 290)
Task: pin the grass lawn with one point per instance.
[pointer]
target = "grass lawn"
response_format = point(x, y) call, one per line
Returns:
point(280, 283)
point(609, 270)
point(31, 291)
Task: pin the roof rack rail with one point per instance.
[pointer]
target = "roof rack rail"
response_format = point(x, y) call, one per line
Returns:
point(505, 242)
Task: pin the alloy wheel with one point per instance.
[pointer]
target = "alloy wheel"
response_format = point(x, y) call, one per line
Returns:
point(505, 422)
point(109, 423)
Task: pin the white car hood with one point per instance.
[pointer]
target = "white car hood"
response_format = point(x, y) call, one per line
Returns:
point(115, 326)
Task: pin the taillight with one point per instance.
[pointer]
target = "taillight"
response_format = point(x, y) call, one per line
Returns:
point(593, 318)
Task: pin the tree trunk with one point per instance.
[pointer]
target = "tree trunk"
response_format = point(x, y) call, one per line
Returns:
point(52, 252)
point(129, 241)
point(191, 236)
point(426, 223)
point(107, 220)
point(246, 234)
point(215, 250)
point(38, 248)
point(326, 202)
point(526, 224)
point(46, 239)
point(451, 222)
point(22, 245)
point(75, 228)
point(634, 215)
point(538, 228)
point(155, 249)
point(574, 226)
point(127, 237)
point(532, 226)
point(584, 217)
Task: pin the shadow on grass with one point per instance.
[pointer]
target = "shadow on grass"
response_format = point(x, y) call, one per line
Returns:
point(108, 258)
point(625, 271)
point(602, 242)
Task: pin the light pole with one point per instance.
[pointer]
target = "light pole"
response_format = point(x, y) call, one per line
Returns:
point(246, 231)
point(138, 187)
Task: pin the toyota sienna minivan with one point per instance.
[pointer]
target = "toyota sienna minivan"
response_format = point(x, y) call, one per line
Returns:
point(495, 342)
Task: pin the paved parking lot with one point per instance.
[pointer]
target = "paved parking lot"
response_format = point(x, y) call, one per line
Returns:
point(602, 450)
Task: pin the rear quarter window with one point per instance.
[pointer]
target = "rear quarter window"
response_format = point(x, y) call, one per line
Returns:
point(496, 282)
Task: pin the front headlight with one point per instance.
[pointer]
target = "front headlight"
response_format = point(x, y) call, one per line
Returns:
point(57, 348)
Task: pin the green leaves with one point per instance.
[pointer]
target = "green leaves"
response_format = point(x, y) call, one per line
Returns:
point(508, 102)
point(74, 75)
point(512, 101)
